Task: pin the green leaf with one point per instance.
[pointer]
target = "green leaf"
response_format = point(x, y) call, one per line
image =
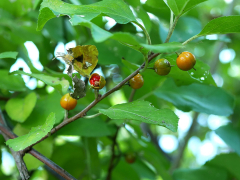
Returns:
point(206, 173)
point(45, 147)
point(201, 75)
point(197, 97)
point(230, 162)
point(11, 83)
point(116, 9)
point(9, 54)
point(231, 136)
point(131, 66)
point(180, 7)
point(57, 83)
point(100, 35)
point(19, 109)
point(143, 111)
point(164, 48)
point(87, 127)
point(44, 106)
point(222, 25)
point(33, 136)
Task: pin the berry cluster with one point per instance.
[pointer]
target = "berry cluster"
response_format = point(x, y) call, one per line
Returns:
point(185, 61)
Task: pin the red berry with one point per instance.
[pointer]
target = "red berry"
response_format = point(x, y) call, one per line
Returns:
point(97, 81)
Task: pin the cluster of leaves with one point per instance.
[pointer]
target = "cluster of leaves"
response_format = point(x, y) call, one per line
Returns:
point(33, 113)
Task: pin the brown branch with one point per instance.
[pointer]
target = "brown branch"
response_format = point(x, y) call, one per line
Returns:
point(92, 104)
point(146, 130)
point(22, 168)
point(4, 130)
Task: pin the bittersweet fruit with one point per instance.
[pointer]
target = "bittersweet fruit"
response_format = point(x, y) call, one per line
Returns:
point(186, 61)
point(136, 82)
point(67, 102)
point(162, 67)
point(97, 81)
point(130, 158)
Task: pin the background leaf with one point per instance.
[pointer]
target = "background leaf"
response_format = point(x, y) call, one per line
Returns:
point(19, 109)
point(197, 97)
point(33, 136)
point(12, 83)
point(58, 84)
point(143, 111)
point(229, 162)
point(206, 173)
point(8, 55)
point(231, 136)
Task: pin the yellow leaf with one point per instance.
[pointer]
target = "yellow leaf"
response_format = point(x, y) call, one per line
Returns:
point(84, 58)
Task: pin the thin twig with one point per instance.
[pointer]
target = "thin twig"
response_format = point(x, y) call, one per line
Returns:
point(131, 95)
point(39, 156)
point(112, 165)
point(182, 146)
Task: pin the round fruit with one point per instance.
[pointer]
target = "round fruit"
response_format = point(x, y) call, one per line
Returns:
point(67, 102)
point(162, 67)
point(136, 82)
point(97, 81)
point(130, 158)
point(186, 61)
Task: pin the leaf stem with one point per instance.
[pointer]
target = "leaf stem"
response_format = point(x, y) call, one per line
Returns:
point(190, 39)
point(172, 27)
point(145, 32)
point(92, 116)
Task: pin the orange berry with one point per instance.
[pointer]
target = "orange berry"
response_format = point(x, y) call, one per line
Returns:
point(67, 102)
point(186, 61)
point(136, 82)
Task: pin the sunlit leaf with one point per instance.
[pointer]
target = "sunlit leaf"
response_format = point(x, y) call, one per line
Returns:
point(222, 25)
point(116, 9)
point(9, 54)
point(164, 48)
point(100, 35)
point(19, 109)
point(143, 111)
point(180, 7)
point(33, 136)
